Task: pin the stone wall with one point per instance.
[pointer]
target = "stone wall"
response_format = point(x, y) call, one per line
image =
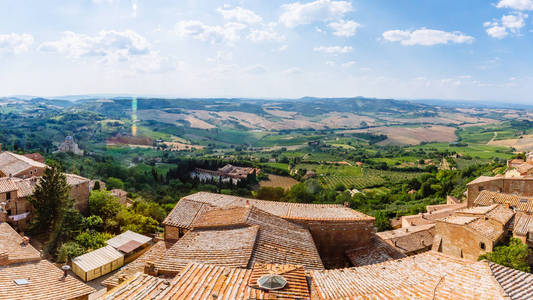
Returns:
point(31, 172)
point(172, 233)
point(80, 194)
point(333, 239)
point(461, 242)
point(518, 186)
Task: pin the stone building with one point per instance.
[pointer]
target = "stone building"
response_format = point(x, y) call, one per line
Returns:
point(473, 231)
point(15, 165)
point(500, 184)
point(335, 229)
point(25, 174)
point(410, 240)
point(228, 173)
point(70, 146)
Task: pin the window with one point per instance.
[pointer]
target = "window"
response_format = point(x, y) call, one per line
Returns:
point(482, 245)
point(8, 196)
point(481, 188)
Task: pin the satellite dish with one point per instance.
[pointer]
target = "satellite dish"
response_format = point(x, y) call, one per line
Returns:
point(272, 282)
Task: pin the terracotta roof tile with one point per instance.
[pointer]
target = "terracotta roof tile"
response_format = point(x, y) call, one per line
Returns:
point(521, 203)
point(13, 164)
point(45, 283)
point(523, 224)
point(12, 243)
point(410, 239)
point(185, 211)
point(374, 252)
point(429, 275)
point(207, 282)
point(518, 285)
point(228, 247)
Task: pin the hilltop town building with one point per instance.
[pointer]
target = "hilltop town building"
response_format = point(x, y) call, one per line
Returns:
point(25, 175)
point(335, 229)
point(23, 275)
point(228, 173)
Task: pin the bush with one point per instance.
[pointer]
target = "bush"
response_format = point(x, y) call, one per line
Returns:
point(69, 251)
point(514, 255)
point(92, 239)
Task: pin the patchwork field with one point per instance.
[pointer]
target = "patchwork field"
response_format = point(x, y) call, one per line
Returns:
point(278, 181)
point(524, 143)
point(412, 135)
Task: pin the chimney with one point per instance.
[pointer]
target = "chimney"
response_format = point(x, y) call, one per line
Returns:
point(4, 258)
point(346, 204)
point(247, 203)
point(65, 269)
point(122, 278)
point(25, 241)
point(150, 269)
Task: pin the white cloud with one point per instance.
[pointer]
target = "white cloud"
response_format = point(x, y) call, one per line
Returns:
point(426, 37)
point(516, 4)
point(240, 14)
point(15, 43)
point(333, 49)
point(117, 44)
point(344, 28)
point(230, 32)
point(499, 29)
point(260, 35)
point(297, 13)
point(514, 22)
point(111, 47)
point(348, 64)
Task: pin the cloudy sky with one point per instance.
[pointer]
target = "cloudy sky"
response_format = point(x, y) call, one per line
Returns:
point(453, 49)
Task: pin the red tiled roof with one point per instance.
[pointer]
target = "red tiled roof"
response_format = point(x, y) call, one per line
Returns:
point(185, 211)
point(410, 239)
point(374, 252)
point(228, 247)
point(524, 204)
point(207, 282)
point(45, 282)
point(429, 275)
point(12, 243)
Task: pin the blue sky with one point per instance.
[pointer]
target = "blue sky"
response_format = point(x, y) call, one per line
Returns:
point(249, 48)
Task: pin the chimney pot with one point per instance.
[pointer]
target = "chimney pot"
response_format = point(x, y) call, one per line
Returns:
point(4, 258)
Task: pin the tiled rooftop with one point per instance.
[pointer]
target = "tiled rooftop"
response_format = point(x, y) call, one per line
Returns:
point(429, 275)
point(523, 224)
point(12, 243)
point(459, 220)
point(277, 240)
point(486, 229)
point(430, 217)
point(524, 204)
point(13, 164)
point(73, 179)
point(227, 247)
point(410, 239)
point(207, 282)
point(185, 211)
point(45, 282)
point(155, 252)
point(376, 251)
point(496, 212)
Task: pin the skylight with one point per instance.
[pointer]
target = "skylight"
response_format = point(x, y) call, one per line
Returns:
point(272, 282)
point(22, 281)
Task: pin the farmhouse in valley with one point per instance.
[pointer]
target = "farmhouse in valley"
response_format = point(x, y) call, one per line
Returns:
point(70, 146)
point(228, 173)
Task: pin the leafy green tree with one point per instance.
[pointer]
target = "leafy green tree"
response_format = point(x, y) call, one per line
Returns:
point(93, 239)
point(114, 183)
point(69, 251)
point(50, 199)
point(514, 255)
point(94, 223)
point(382, 222)
point(73, 224)
point(104, 205)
